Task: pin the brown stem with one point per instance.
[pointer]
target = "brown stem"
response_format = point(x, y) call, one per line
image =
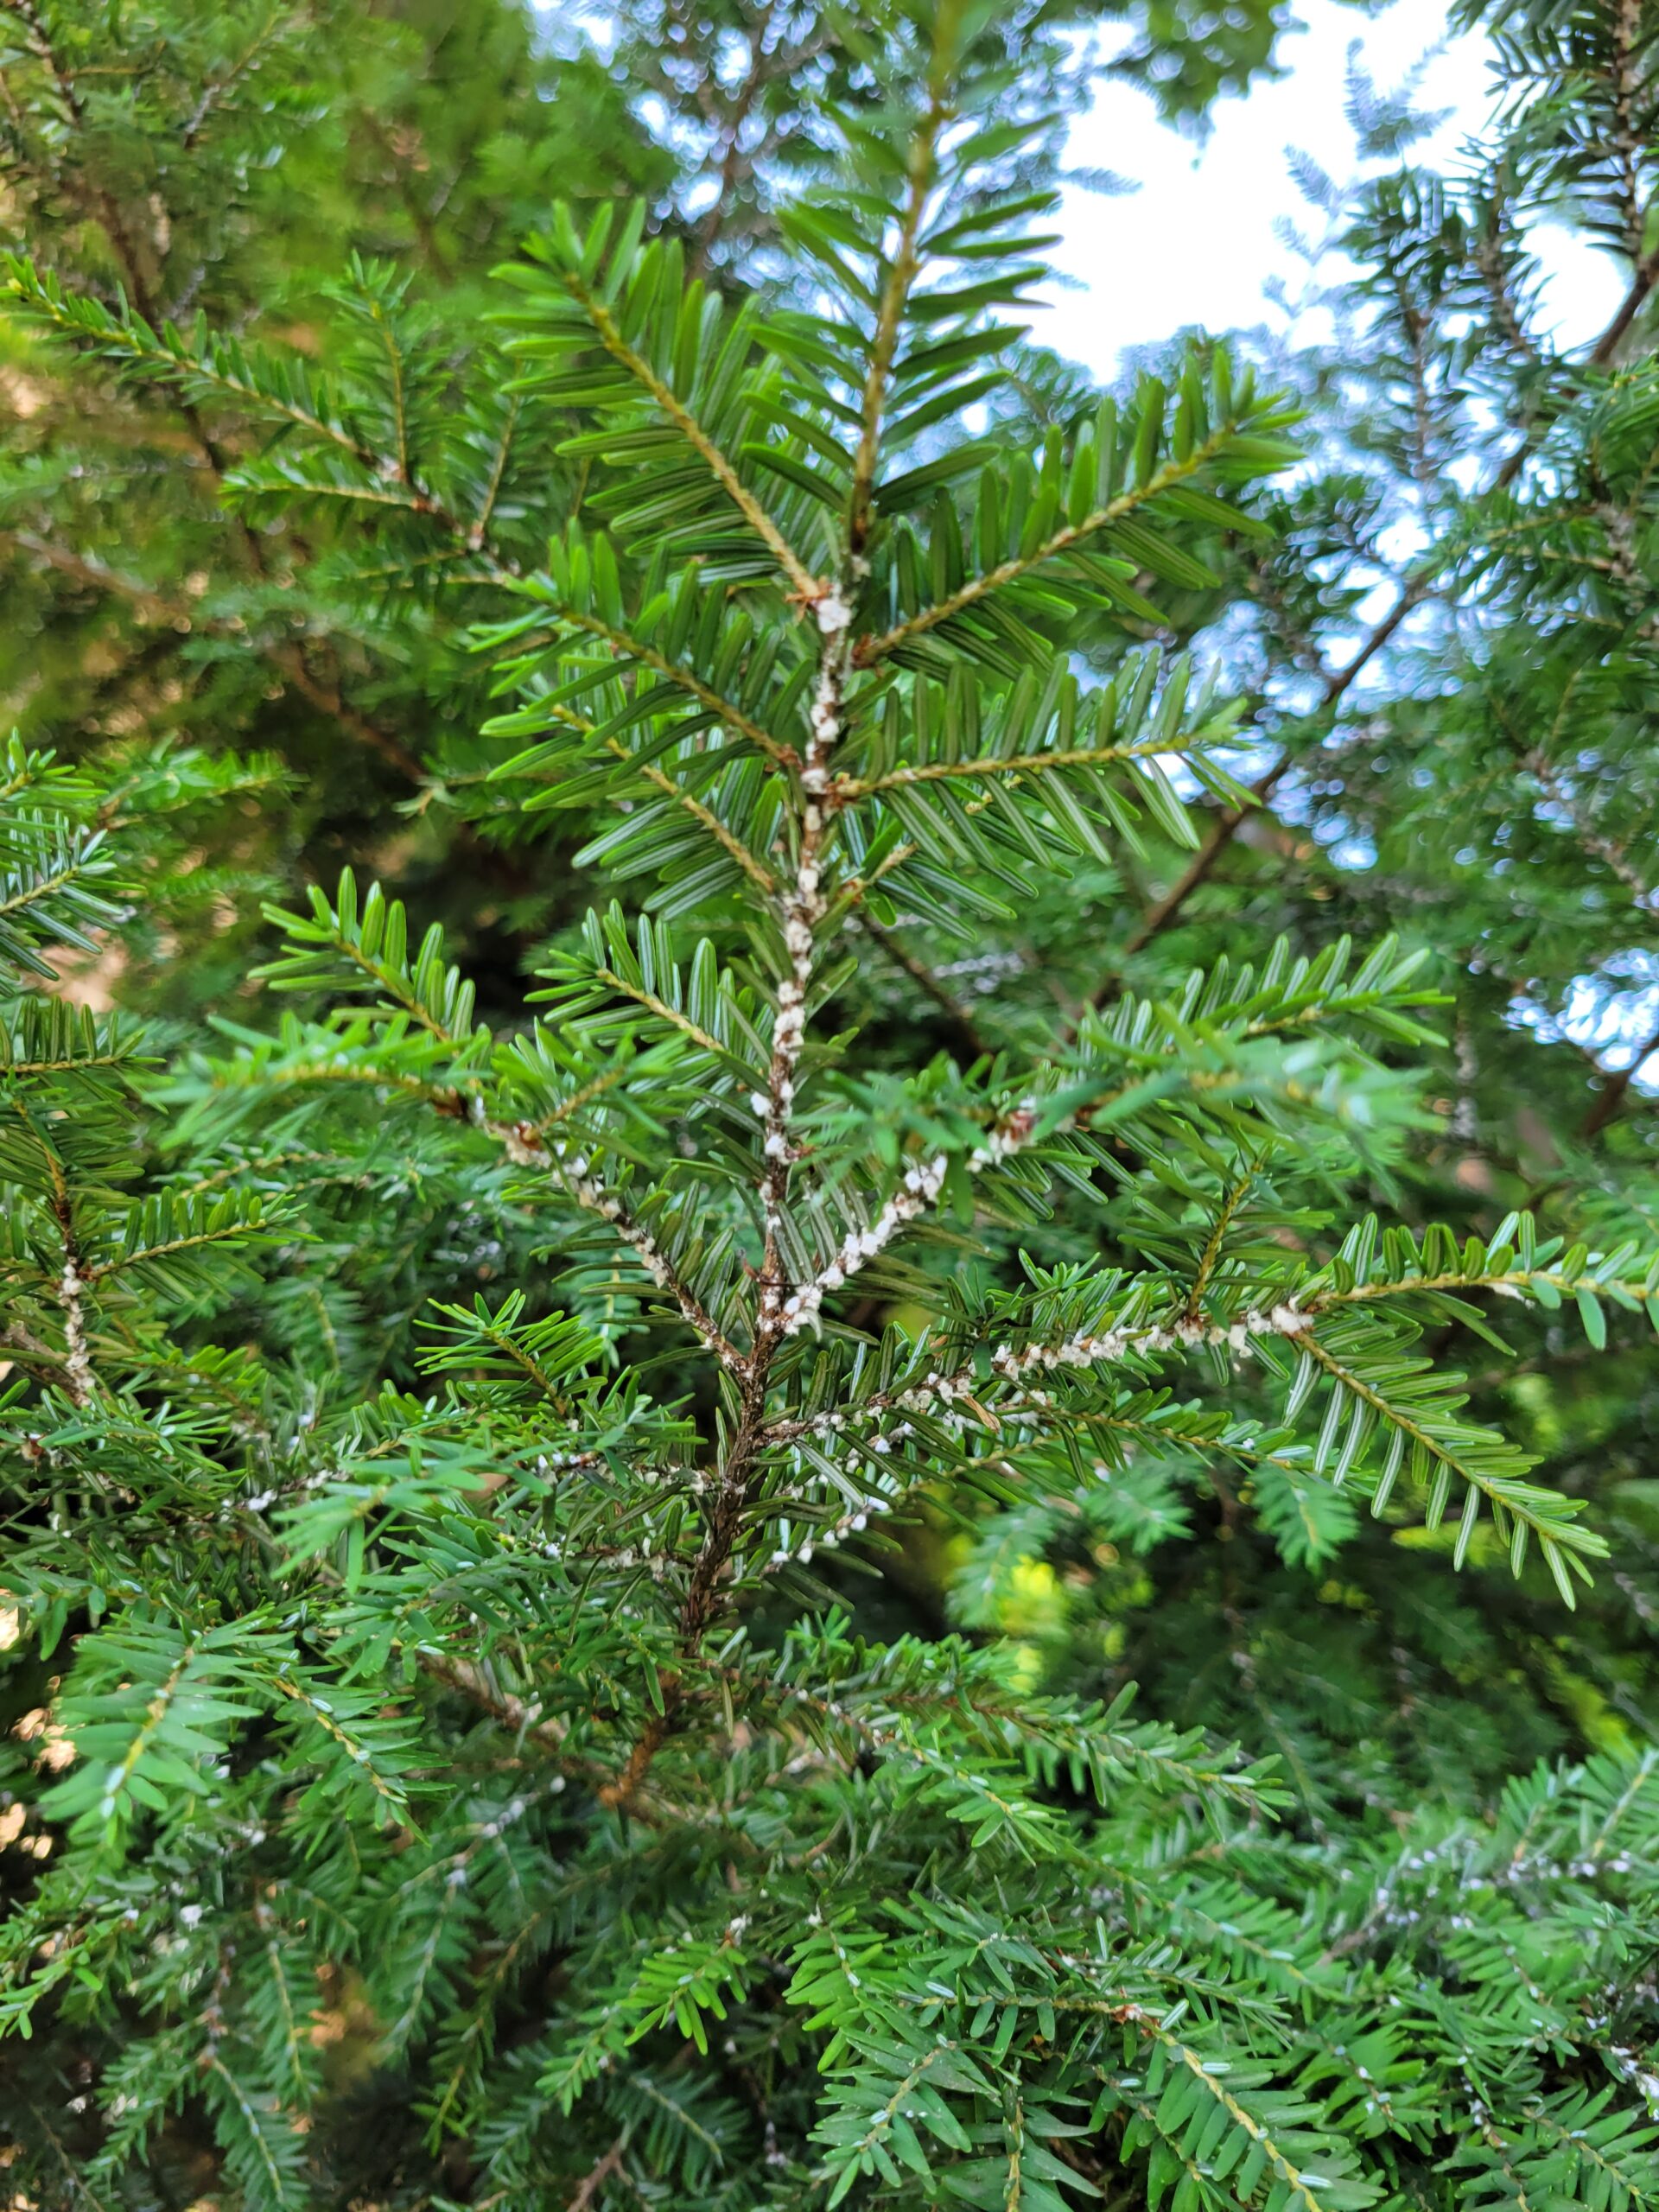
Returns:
point(155, 607)
point(592, 2182)
point(1626, 134)
point(213, 92)
point(327, 699)
point(1614, 1092)
point(720, 1540)
point(151, 605)
point(1221, 830)
point(431, 246)
point(968, 1039)
point(504, 1706)
point(1647, 274)
point(732, 165)
point(884, 343)
point(95, 196)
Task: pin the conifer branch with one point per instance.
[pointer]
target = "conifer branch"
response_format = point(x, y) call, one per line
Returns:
point(684, 679)
point(528, 1147)
point(1171, 473)
point(802, 908)
point(1615, 1090)
point(846, 789)
point(732, 846)
point(901, 275)
point(800, 577)
point(454, 1604)
point(1551, 1530)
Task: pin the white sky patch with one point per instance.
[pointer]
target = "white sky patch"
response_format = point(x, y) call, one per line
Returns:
point(1618, 1025)
point(1197, 243)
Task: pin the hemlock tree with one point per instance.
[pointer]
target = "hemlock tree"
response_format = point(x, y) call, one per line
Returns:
point(332, 184)
point(477, 1789)
point(260, 166)
point(1474, 767)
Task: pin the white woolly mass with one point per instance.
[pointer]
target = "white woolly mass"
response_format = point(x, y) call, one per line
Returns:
point(78, 1376)
point(938, 1394)
point(923, 1181)
point(921, 1186)
point(1082, 1351)
point(825, 1538)
point(999, 1145)
point(526, 1146)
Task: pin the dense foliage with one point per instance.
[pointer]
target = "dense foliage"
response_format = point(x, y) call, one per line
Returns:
point(582, 1517)
point(303, 174)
